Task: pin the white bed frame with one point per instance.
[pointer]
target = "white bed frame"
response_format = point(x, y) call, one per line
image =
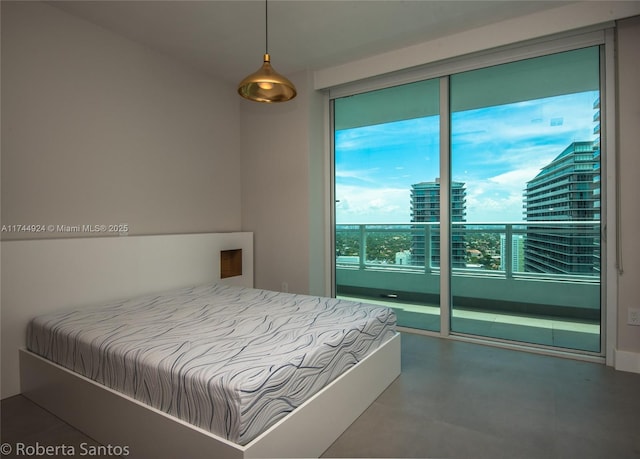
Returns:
point(115, 419)
point(158, 263)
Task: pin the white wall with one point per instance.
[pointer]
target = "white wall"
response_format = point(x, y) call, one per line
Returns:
point(275, 194)
point(97, 129)
point(628, 105)
point(283, 189)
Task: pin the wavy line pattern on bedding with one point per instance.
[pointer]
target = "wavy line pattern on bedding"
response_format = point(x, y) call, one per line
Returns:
point(231, 360)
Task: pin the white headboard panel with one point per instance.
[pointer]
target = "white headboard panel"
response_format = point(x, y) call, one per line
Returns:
point(40, 276)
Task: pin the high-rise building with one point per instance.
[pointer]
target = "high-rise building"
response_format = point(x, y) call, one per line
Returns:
point(517, 252)
point(596, 180)
point(425, 208)
point(566, 189)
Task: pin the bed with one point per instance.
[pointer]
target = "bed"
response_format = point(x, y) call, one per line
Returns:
point(297, 400)
point(230, 360)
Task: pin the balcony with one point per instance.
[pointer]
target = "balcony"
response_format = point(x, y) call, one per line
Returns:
point(491, 279)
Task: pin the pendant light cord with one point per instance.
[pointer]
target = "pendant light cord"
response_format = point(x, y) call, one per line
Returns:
point(266, 28)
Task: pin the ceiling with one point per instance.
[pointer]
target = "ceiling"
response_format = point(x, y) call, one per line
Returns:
point(227, 38)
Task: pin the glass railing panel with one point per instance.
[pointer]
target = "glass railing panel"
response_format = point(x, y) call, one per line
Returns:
point(392, 264)
point(502, 264)
point(534, 282)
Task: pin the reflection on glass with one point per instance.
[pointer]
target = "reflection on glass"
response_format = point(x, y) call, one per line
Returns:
point(386, 142)
point(529, 159)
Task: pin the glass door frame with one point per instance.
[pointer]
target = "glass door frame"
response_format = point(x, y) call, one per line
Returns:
point(609, 224)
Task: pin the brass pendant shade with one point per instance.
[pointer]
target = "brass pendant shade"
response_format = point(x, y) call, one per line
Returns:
point(267, 85)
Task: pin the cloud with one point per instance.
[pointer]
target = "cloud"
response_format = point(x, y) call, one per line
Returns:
point(364, 175)
point(515, 179)
point(492, 204)
point(495, 152)
point(515, 134)
point(368, 205)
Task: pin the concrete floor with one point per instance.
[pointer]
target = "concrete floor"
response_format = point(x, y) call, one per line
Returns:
point(462, 400)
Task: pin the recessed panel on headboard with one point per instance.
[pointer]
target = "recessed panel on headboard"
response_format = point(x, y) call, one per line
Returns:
point(39, 276)
point(230, 263)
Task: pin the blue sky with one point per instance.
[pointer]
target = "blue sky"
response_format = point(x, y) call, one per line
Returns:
point(495, 151)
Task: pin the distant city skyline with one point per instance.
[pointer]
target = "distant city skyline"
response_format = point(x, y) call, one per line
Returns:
point(495, 151)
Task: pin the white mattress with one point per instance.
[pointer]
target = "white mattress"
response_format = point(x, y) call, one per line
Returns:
point(230, 360)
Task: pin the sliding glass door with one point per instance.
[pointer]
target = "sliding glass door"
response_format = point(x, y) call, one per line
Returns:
point(526, 252)
point(519, 177)
point(386, 150)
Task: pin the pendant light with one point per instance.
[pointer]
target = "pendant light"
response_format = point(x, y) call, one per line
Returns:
point(266, 85)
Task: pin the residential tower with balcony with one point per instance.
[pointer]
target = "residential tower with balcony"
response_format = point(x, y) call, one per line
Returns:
point(425, 208)
point(566, 189)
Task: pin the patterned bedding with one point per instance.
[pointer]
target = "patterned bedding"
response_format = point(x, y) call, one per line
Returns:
point(231, 360)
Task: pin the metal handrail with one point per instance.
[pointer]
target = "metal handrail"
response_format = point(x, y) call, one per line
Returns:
point(509, 229)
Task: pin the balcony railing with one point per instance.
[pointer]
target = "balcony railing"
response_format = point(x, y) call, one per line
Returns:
point(415, 247)
point(551, 267)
